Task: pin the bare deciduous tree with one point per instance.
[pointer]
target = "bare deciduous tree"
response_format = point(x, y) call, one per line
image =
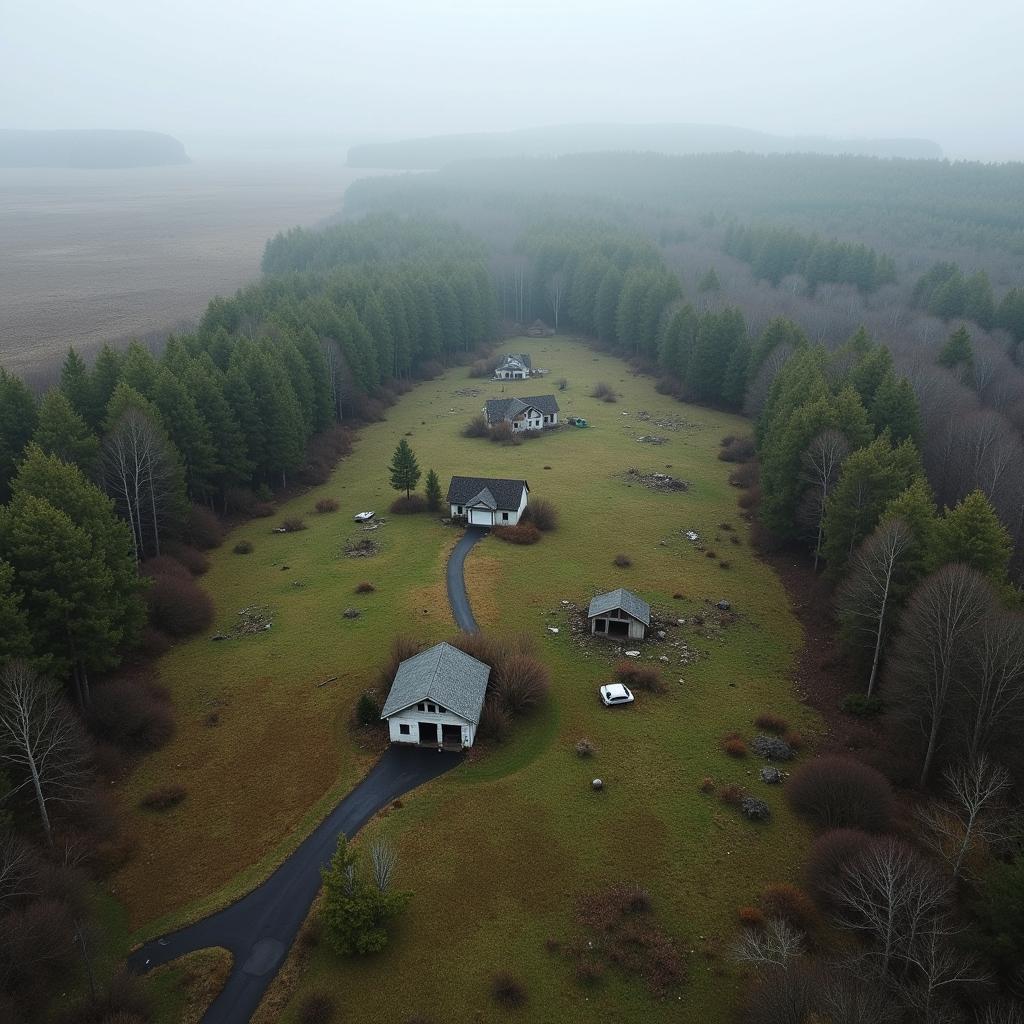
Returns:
point(935, 633)
point(993, 691)
point(775, 945)
point(864, 598)
point(383, 859)
point(39, 740)
point(556, 293)
point(822, 462)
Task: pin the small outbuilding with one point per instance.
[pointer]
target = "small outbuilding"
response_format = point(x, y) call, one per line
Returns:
point(436, 699)
point(536, 413)
point(619, 613)
point(487, 501)
point(539, 329)
point(515, 366)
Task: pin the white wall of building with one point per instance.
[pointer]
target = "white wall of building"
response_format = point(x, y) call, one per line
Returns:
point(411, 717)
point(485, 517)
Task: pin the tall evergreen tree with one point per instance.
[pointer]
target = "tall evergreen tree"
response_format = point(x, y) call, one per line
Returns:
point(433, 491)
point(15, 639)
point(404, 469)
point(17, 423)
point(972, 533)
point(62, 432)
point(76, 383)
point(895, 409)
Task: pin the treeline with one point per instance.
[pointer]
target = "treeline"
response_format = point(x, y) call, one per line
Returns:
point(774, 253)
point(946, 292)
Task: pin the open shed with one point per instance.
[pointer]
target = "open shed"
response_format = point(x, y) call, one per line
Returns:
point(619, 613)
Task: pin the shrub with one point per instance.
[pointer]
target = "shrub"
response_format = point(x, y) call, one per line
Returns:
point(584, 748)
point(745, 476)
point(316, 1008)
point(710, 553)
point(751, 917)
point(263, 510)
point(178, 607)
point(734, 746)
point(731, 794)
point(588, 973)
point(203, 529)
point(772, 748)
point(495, 722)
point(639, 677)
point(164, 565)
point(543, 514)
point(530, 435)
point(476, 427)
point(503, 433)
point(483, 368)
point(791, 904)
point(829, 856)
point(520, 681)
point(836, 792)
point(366, 587)
point(293, 524)
point(367, 709)
point(154, 643)
point(771, 723)
point(863, 706)
point(563, 383)
point(668, 386)
point(522, 533)
point(622, 561)
point(604, 391)
point(725, 565)
point(707, 784)
point(507, 991)
point(403, 647)
point(325, 505)
point(552, 945)
point(164, 798)
point(411, 505)
point(192, 558)
point(793, 739)
point(750, 498)
point(737, 449)
point(131, 714)
point(243, 547)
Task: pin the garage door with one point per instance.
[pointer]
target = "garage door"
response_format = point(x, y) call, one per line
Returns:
point(481, 517)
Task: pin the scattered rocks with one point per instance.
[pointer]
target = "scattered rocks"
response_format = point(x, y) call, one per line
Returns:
point(552, 629)
point(361, 547)
point(256, 618)
point(771, 775)
point(351, 613)
point(723, 605)
point(657, 481)
point(660, 634)
point(652, 439)
point(692, 536)
point(597, 784)
point(755, 810)
point(632, 654)
point(772, 748)
point(664, 658)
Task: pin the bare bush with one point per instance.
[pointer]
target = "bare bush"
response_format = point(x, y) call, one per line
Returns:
point(507, 990)
point(178, 607)
point(407, 505)
point(622, 561)
point(639, 677)
point(132, 714)
point(197, 562)
point(203, 529)
point(737, 449)
point(244, 547)
point(838, 792)
point(604, 391)
point(503, 433)
point(523, 532)
point(476, 427)
point(293, 524)
point(164, 798)
point(521, 681)
point(164, 565)
point(327, 505)
point(543, 514)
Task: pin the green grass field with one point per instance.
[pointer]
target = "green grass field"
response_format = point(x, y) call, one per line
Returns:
point(498, 852)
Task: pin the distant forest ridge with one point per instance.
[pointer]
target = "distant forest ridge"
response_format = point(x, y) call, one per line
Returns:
point(675, 139)
point(89, 148)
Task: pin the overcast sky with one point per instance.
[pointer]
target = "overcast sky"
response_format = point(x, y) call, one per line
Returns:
point(939, 69)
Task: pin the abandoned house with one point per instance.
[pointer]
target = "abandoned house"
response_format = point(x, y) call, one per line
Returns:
point(482, 501)
point(534, 413)
point(436, 698)
point(619, 613)
point(513, 367)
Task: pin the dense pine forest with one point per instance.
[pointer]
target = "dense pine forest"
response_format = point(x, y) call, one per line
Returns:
point(867, 316)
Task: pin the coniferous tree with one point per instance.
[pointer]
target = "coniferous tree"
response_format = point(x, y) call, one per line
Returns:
point(709, 282)
point(15, 640)
point(17, 423)
point(1011, 314)
point(405, 471)
point(971, 533)
point(106, 375)
point(433, 491)
point(958, 351)
point(76, 384)
point(62, 432)
point(895, 408)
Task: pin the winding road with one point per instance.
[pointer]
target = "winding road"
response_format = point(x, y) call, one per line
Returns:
point(260, 928)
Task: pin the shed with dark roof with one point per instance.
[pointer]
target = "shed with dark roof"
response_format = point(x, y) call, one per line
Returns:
point(619, 613)
point(436, 698)
point(534, 413)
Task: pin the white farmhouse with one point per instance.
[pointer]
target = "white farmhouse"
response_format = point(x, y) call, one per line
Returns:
point(536, 413)
point(514, 367)
point(619, 613)
point(436, 698)
point(484, 501)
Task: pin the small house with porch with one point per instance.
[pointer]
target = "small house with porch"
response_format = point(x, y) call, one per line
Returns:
point(436, 699)
point(513, 367)
point(619, 613)
point(485, 501)
point(536, 413)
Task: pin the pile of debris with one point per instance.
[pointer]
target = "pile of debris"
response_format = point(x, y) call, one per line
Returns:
point(467, 392)
point(361, 547)
point(257, 618)
point(666, 422)
point(652, 439)
point(657, 481)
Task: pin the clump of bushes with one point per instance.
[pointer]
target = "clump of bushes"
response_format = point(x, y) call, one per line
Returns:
point(495, 721)
point(243, 547)
point(745, 476)
point(707, 784)
point(584, 748)
point(793, 739)
point(476, 427)
point(732, 794)
point(507, 991)
point(409, 505)
point(325, 505)
point(403, 647)
point(770, 722)
point(164, 565)
point(622, 561)
point(837, 792)
point(530, 435)
point(519, 679)
point(791, 904)
point(293, 524)
point(751, 917)
point(543, 514)
point(750, 498)
point(829, 856)
point(734, 746)
point(203, 529)
point(132, 714)
point(367, 709)
point(772, 748)
point(737, 449)
point(639, 677)
point(316, 1008)
point(483, 368)
point(164, 798)
point(863, 706)
point(503, 433)
point(366, 587)
point(192, 558)
point(178, 607)
point(604, 391)
point(524, 532)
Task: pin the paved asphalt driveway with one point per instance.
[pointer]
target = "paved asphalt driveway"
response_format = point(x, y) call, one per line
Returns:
point(457, 596)
point(260, 928)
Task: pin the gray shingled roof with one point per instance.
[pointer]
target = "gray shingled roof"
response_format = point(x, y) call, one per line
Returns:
point(507, 494)
point(443, 674)
point(521, 356)
point(623, 599)
point(498, 409)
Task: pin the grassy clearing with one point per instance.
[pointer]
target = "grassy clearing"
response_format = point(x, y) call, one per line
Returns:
point(497, 852)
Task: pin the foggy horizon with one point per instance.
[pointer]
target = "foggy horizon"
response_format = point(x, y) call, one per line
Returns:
point(236, 76)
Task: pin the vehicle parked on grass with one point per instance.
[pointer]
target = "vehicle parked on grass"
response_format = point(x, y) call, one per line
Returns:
point(615, 693)
point(363, 517)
